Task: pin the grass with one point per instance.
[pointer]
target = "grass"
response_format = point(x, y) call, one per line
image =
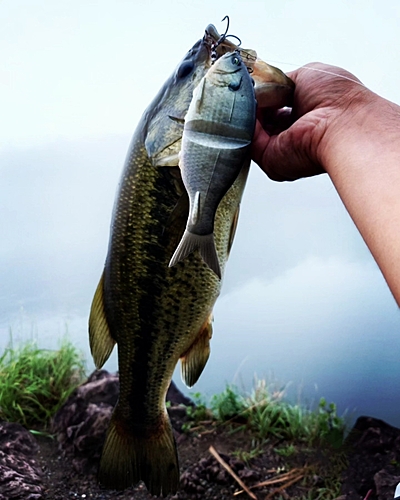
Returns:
point(35, 382)
point(267, 414)
point(309, 438)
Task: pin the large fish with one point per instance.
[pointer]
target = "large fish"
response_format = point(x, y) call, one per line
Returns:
point(155, 313)
point(218, 131)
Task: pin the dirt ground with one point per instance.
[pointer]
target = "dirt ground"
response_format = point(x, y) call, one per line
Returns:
point(203, 477)
point(217, 461)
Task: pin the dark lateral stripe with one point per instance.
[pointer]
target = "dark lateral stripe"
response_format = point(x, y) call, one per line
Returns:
point(147, 342)
point(227, 130)
point(142, 272)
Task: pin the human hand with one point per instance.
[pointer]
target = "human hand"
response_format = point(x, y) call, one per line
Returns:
point(290, 144)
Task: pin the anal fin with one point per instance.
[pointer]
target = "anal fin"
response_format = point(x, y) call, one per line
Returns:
point(195, 358)
point(100, 339)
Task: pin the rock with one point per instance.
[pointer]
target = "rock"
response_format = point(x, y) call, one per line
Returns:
point(81, 423)
point(373, 435)
point(385, 483)
point(20, 476)
point(373, 448)
point(175, 397)
point(249, 475)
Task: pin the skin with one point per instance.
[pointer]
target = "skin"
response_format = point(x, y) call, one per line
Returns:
point(339, 127)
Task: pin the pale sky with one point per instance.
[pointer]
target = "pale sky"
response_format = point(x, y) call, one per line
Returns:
point(75, 77)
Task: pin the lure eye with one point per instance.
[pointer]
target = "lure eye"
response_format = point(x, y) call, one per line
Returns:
point(185, 69)
point(235, 61)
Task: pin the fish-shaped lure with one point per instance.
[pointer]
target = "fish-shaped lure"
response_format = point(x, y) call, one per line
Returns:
point(217, 134)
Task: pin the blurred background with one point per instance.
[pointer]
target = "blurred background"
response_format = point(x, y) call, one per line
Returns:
point(303, 302)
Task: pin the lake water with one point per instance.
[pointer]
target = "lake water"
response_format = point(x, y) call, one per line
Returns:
point(286, 341)
point(302, 303)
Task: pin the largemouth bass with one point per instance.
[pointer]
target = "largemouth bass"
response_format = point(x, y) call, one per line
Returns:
point(156, 314)
point(218, 131)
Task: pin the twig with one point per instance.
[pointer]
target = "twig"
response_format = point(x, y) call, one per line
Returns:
point(368, 495)
point(214, 452)
point(284, 486)
point(280, 479)
point(201, 426)
point(204, 433)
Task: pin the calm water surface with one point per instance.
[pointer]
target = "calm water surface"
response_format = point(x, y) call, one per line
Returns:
point(284, 339)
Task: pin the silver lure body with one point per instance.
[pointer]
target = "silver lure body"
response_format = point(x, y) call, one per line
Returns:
point(217, 134)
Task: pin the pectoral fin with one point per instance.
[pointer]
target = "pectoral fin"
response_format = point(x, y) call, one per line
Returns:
point(101, 342)
point(195, 358)
point(200, 95)
point(171, 160)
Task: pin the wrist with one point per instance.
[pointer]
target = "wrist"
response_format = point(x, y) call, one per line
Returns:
point(362, 158)
point(360, 134)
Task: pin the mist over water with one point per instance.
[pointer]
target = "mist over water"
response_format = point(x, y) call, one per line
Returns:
point(341, 343)
point(302, 302)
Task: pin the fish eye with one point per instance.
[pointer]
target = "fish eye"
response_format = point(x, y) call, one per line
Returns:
point(235, 61)
point(185, 69)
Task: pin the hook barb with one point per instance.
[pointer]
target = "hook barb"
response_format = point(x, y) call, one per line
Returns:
point(227, 26)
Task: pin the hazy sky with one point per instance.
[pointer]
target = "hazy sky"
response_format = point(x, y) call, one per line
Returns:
point(302, 296)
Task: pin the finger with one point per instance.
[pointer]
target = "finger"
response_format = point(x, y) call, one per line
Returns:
point(274, 121)
point(287, 156)
point(259, 152)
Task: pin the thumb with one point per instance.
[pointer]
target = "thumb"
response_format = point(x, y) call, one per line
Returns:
point(286, 156)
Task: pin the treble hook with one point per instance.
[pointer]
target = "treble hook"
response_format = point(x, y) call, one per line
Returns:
point(225, 35)
point(221, 39)
point(227, 26)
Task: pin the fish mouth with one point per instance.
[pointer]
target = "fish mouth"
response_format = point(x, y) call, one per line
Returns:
point(272, 87)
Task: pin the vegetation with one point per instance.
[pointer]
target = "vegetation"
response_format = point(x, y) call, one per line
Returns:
point(35, 382)
point(309, 441)
point(267, 415)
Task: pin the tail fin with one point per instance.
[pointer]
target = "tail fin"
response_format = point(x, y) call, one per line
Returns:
point(206, 246)
point(129, 458)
